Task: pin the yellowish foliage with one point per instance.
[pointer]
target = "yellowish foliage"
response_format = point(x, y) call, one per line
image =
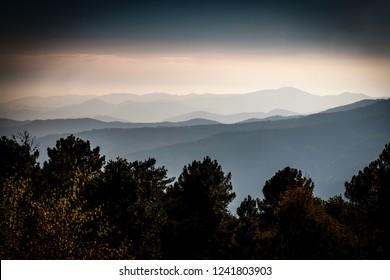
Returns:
point(63, 225)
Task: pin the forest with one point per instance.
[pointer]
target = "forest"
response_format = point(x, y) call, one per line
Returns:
point(77, 205)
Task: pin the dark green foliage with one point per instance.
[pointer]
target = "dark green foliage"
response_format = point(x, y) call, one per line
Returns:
point(369, 193)
point(20, 182)
point(275, 188)
point(205, 188)
point(132, 194)
point(18, 158)
point(371, 187)
point(57, 222)
point(305, 231)
point(64, 225)
point(290, 223)
point(283, 181)
point(68, 154)
point(197, 210)
point(248, 232)
point(78, 208)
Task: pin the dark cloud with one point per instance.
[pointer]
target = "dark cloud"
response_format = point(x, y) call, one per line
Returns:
point(359, 25)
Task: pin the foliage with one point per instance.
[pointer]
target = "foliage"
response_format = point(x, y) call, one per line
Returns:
point(64, 226)
point(54, 227)
point(248, 232)
point(68, 154)
point(283, 181)
point(15, 216)
point(306, 231)
point(197, 209)
point(290, 223)
point(371, 187)
point(133, 197)
point(18, 159)
point(78, 207)
point(369, 193)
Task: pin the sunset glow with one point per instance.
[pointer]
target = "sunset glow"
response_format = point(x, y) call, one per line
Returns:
point(324, 48)
point(195, 72)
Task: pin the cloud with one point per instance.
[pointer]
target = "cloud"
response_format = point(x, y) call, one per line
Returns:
point(204, 71)
point(358, 24)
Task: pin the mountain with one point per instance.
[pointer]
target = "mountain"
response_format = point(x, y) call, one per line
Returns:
point(329, 147)
point(160, 107)
point(40, 128)
point(5, 123)
point(272, 118)
point(234, 118)
point(287, 98)
point(128, 110)
point(362, 103)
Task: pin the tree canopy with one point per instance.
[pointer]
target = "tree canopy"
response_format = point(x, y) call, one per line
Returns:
point(369, 193)
point(197, 209)
point(78, 206)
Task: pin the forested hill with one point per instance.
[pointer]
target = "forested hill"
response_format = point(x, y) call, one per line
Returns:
point(330, 147)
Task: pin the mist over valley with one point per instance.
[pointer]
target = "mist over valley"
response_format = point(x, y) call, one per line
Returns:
point(329, 146)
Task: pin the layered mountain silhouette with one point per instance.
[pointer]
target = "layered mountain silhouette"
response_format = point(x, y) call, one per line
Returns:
point(40, 128)
point(158, 107)
point(234, 118)
point(329, 147)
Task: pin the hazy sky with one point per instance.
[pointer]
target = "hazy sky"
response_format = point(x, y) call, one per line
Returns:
point(95, 47)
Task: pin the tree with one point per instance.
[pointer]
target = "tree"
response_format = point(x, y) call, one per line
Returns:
point(18, 159)
point(68, 154)
point(55, 226)
point(69, 229)
point(371, 187)
point(198, 216)
point(16, 223)
point(369, 193)
point(133, 197)
point(274, 189)
point(20, 182)
point(304, 230)
point(267, 237)
point(249, 229)
point(282, 181)
point(25, 139)
point(293, 224)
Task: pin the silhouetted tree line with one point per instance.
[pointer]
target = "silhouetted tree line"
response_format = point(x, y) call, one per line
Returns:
point(77, 206)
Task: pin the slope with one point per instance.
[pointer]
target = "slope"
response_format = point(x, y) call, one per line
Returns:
point(329, 147)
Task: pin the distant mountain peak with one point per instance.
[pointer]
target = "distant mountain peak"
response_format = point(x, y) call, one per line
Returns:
point(362, 95)
point(157, 107)
point(94, 101)
point(282, 91)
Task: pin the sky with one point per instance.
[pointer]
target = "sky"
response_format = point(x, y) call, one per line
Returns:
point(180, 47)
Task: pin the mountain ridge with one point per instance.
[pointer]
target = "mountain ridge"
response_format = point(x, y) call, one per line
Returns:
point(330, 151)
point(161, 106)
point(233, 118)
point(329, 147)
point(40, 128)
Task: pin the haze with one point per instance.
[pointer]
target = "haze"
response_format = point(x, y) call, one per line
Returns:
point(324, 48)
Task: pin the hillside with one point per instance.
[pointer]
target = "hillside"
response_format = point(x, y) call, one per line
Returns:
point(329, 147)
point(40, 128)
point(234, 118)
